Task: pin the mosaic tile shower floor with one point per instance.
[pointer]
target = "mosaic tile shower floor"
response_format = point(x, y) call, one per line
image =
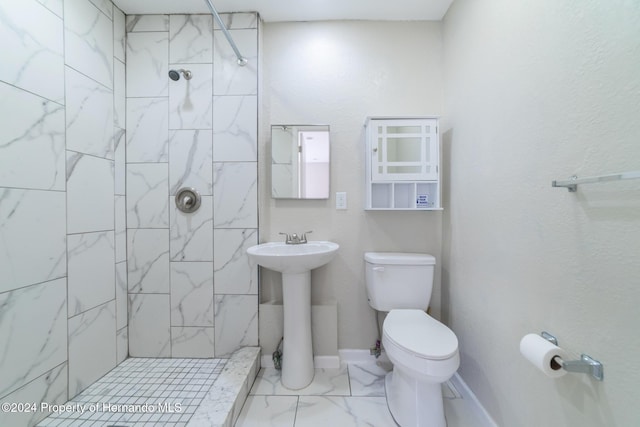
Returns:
point(142, 392)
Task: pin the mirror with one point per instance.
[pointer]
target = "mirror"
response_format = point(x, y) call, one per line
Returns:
point(300, 162)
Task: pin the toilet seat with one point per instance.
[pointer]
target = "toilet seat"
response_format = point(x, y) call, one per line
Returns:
point(417, 333)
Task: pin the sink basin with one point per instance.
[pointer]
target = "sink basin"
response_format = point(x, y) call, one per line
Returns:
point(285, 258)
point(295, 262)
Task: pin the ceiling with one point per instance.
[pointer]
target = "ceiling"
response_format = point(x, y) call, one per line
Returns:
point(297, 10)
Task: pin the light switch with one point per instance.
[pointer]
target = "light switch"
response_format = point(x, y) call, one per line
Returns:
point(341, 200)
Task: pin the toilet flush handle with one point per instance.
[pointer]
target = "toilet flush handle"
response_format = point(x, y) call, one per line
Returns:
point(378, 269)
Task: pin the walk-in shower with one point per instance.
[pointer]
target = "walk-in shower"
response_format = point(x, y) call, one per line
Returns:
point(241, 59)
point(85, 287)
point(175, 74)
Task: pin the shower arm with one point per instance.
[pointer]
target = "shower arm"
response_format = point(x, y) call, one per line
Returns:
point(241, 59)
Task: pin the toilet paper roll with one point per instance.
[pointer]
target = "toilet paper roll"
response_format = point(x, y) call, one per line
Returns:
point(541, 352)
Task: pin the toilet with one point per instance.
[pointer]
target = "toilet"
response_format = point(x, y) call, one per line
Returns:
point(423, 351)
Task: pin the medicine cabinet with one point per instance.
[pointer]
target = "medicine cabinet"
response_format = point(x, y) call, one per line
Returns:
point(402, 163)
point(300, 161)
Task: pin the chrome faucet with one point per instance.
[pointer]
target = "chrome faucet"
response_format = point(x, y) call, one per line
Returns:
point(294, 239)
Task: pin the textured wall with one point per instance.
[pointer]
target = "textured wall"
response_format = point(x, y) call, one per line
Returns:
point(537, 91)
point(63, 310)
point(338, 73)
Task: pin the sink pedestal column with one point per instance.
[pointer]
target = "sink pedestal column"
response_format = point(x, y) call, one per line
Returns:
point(297, 350)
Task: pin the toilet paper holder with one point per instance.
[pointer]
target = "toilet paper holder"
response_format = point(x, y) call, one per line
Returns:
point(586, 364)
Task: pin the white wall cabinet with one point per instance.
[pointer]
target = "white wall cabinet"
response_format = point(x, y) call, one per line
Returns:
point(402, 163)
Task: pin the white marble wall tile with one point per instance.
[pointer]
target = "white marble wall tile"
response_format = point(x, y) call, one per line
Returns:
point(234, 21)
point(119, 95)
point(105, 7)
point(55, 6)
point(143, 23)
point(90, 191)
point(191, 161)
point(31, 42)
point(192, 342)
point(236, 323)
point(190, 101)
point(89, 115)
point(121, 228)
point(235, 129)
point(147, 129)
point(191, 294)
point(91, 280)
point(122, 344)
point(121, 295)
point(147, 64)
point(92, 346)
point(50, 387)
point(149, 330)
point(32, 148)
point(120, 166)
point(234, 273)
point(147, 191)
point(88, 40)
point(192, 233)
point(32, 237)
point(191, 38)
point(119, 34)
point(259, 411)
point(314, 411)
point(148, 261)
point(235, 195)
point(228, 77)
point(33, 328)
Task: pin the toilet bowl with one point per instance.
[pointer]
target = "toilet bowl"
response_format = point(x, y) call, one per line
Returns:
point(424, 353)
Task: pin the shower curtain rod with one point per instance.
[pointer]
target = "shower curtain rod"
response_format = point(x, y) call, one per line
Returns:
point(241, 59)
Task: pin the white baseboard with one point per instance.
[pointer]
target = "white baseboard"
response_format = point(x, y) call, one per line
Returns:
point(326, 362)
point(360, 356)
point(266, 361)
point(331, 362)
point(321, 362)
point(474, 404)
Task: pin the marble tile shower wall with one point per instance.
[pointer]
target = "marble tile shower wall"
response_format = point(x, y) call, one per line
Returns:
point(63, 298)
point(192, 290)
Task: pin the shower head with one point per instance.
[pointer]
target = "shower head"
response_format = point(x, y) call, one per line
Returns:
point(175, 74)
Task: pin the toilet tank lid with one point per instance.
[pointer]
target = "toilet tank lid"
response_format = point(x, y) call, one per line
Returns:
point(399, 258)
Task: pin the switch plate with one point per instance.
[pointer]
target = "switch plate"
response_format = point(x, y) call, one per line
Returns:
point(341, 200)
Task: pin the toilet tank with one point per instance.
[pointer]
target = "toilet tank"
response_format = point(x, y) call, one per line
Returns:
point(398, 280)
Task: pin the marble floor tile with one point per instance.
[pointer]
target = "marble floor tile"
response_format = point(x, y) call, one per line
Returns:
point(367, 379)
point(273, 411)
point(320, 411)
point(329, 382)
point(328, 401)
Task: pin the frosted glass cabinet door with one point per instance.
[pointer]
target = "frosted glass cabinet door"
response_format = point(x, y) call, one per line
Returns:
point(404, 150)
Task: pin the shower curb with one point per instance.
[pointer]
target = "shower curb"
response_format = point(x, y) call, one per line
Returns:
point(223, 402)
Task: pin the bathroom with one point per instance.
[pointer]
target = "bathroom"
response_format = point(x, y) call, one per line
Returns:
point(527, 93)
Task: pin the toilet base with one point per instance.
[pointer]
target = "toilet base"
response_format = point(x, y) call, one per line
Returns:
point(414, 403)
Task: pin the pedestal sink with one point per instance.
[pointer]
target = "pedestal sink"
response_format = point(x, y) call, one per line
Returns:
point(295, 262)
